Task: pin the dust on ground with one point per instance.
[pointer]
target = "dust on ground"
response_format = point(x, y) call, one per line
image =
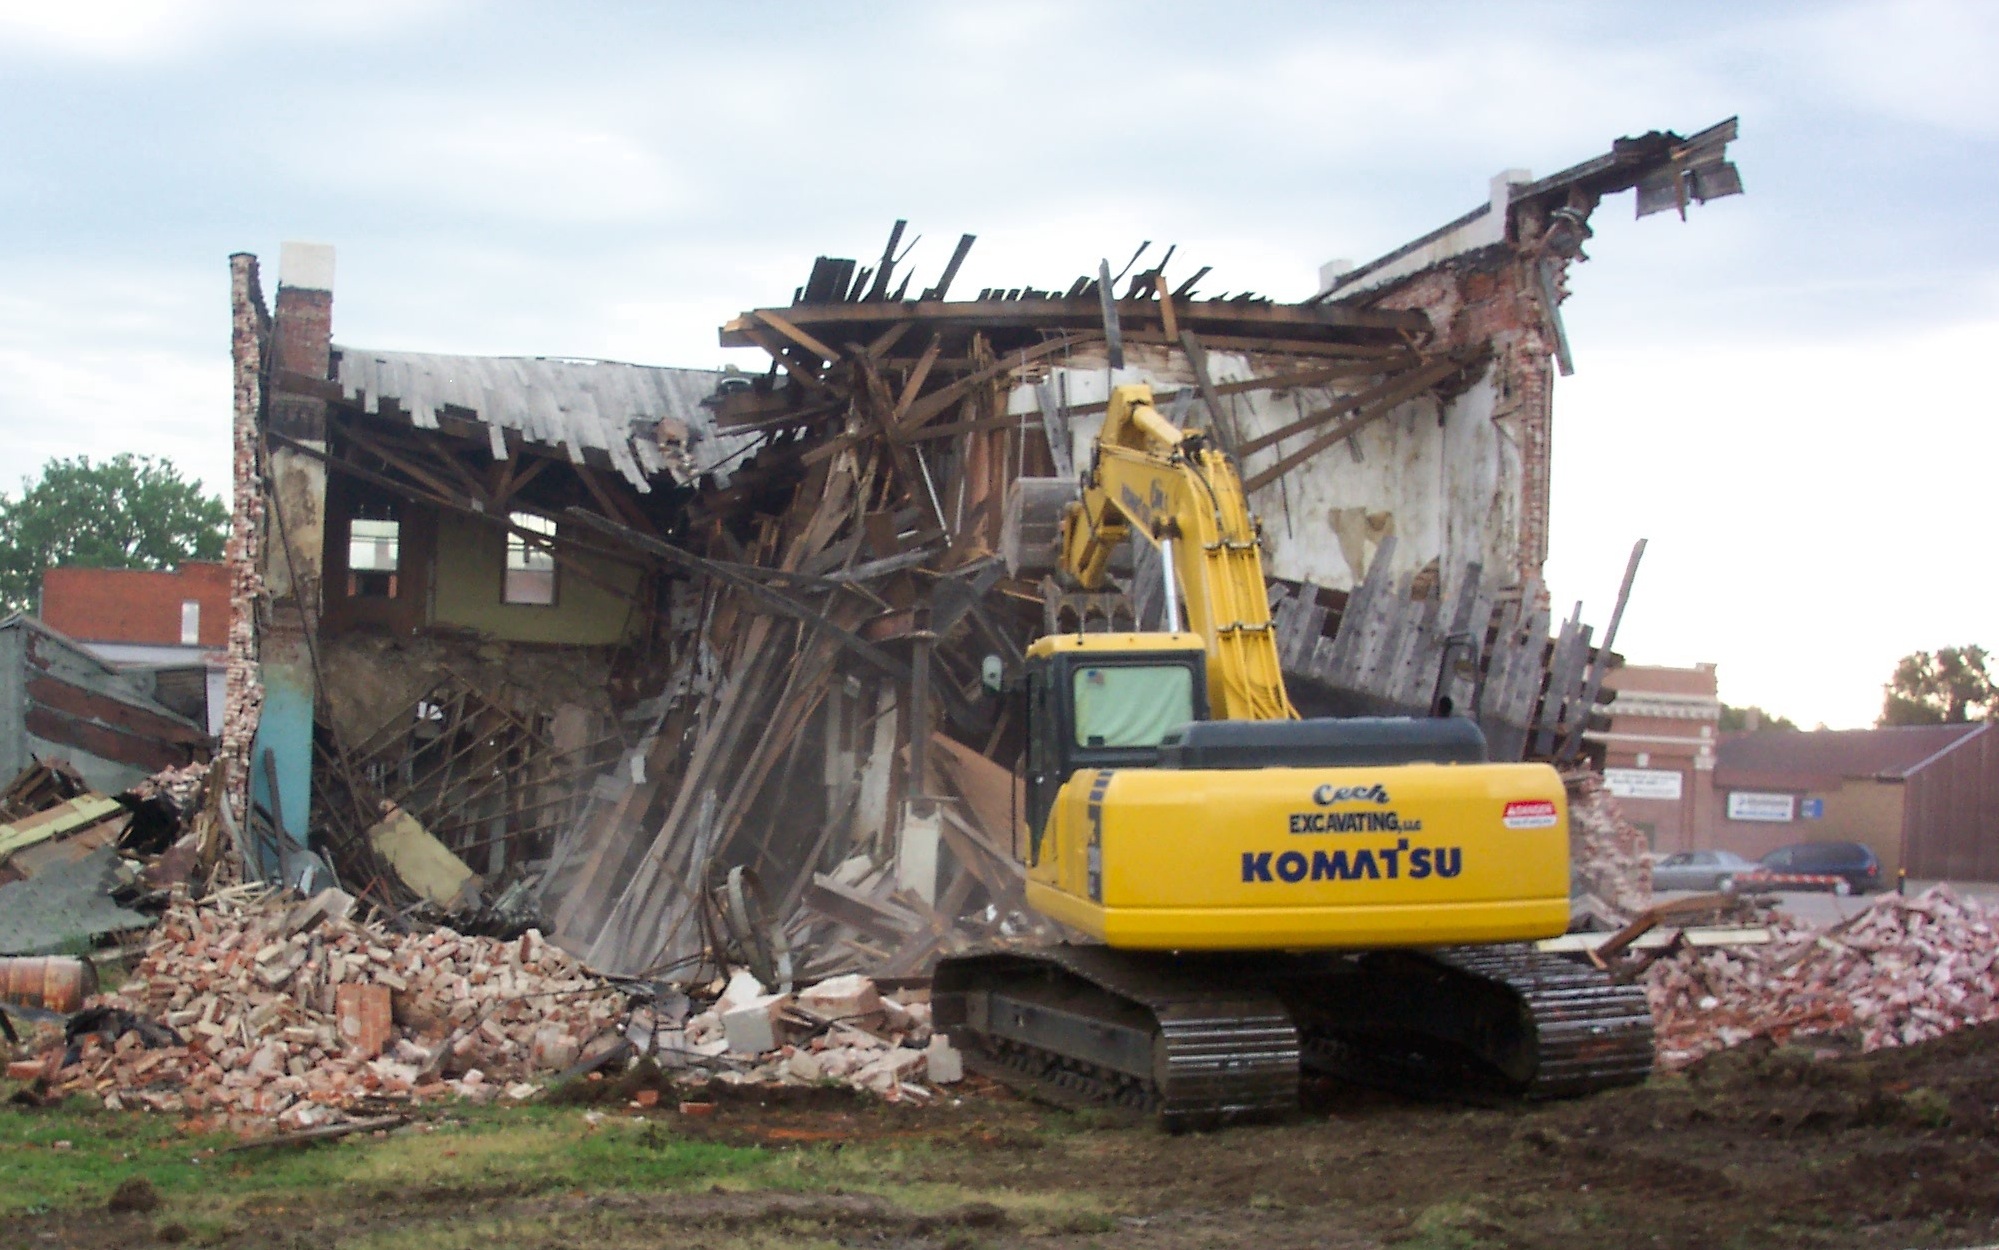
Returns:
point(1755, 1147)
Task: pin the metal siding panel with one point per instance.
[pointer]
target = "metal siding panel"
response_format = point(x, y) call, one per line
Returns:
point(581, 404)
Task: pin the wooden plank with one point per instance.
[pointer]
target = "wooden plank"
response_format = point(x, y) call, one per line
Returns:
point(1395, 389)
point(931, 405)
point(1414, 681)
point(1107, 312)
point(888, 262)
point(1197, 360)
point(113, 712)
point(1300, 621)
point(913, 385)
point(1391, 399)
point(799, 373)
point(1291, 380)
point(1592, 684)
point(937, 293)
point(1470, 615)
point(784, 604)
point(1565, 667)
point(837, 901)
point(1303, 321)
point(374, 447)
point(1348, 641)
point(783, 326)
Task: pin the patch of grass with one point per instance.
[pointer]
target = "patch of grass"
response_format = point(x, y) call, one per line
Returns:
point(489, 1150)
point(1928, 1107)
point(1452, 1225)
point(421, 1185)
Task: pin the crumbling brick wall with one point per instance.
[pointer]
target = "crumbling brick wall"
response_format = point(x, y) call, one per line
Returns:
point(1491, 299)
point(244, 689)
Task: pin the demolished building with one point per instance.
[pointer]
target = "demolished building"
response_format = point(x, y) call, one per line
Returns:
point(608, 631)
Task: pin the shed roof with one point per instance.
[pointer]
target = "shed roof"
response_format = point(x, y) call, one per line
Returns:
point(580, 406)
point(1894, 752)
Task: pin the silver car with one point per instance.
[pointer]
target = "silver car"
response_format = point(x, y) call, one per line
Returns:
point(1699, 870)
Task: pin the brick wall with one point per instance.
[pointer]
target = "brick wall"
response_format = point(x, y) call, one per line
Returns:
point(136, 605)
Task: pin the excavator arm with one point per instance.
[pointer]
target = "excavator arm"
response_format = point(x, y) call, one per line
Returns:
point(1185, 498)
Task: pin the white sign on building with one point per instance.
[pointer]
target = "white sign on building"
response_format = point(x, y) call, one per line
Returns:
point(1749, 805)
point(1643, 783)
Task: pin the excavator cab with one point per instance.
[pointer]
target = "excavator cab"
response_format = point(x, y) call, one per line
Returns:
point(1104, 701)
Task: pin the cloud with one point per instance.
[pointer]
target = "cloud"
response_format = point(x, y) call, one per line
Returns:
point(540, 160)
point(95, 362)
point(1815, 509)
point(149, 30)
point(1928, 61)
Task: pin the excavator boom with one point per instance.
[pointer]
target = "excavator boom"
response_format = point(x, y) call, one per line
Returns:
point(1173, 490)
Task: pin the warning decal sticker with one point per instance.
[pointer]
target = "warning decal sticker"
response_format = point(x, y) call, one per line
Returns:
point(1530, 814)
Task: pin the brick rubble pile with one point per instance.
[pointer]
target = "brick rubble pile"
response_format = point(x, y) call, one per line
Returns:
point(288, 1011)
point(1902, 971)
point(266, 998)
point(1606, 851)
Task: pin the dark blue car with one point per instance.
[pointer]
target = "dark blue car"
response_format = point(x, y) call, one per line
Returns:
point(1852, 862)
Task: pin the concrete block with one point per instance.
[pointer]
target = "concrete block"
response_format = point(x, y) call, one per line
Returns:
point(943, 1062)
point(751, 1029)
point(850, 997)
point(888, 1070)
point(742, 988)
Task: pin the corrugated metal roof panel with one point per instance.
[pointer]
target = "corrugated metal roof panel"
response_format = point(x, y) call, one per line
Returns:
point(578, 406)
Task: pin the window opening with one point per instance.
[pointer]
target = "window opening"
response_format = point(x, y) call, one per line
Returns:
point(1131, 705)
point(190, 622)
point(530, 575)
point(374, 553)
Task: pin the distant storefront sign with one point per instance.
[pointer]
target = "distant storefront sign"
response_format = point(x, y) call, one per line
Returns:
point(1811, 809)
point(1643, 783)
point(1749, 805)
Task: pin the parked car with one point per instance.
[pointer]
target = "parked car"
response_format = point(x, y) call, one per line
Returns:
point(1849, 862)
point(1699, 870)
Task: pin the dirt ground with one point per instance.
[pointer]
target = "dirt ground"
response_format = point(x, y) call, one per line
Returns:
point(1758, 1147)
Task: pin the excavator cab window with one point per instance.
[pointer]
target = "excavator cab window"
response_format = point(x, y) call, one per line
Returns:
point(1129, 705)
point(1103, 710)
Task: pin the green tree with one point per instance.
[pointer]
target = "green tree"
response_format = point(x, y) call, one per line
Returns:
point(1945, 688)
point(128, 512)
point(1735, 719)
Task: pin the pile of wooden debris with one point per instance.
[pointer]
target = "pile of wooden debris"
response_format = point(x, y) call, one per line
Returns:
point(1900, 972)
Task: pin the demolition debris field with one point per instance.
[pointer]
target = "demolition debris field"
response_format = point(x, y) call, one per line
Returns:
point(1757, 1146)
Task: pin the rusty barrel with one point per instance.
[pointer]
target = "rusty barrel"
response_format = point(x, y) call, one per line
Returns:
point(51, 982)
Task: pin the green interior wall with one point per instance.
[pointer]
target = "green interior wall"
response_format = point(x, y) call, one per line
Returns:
point(471, 563)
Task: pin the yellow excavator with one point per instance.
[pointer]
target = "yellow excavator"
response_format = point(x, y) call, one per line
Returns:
point(1264, 894)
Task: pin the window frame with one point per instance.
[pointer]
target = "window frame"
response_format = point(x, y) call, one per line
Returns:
point(362, 581)
point(507, 549)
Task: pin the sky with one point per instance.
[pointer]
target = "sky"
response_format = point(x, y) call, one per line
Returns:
point(1784, 395)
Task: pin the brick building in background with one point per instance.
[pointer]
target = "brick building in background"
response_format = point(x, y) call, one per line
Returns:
point(1924, 797)
point(1659, 752)
point(174, 625)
